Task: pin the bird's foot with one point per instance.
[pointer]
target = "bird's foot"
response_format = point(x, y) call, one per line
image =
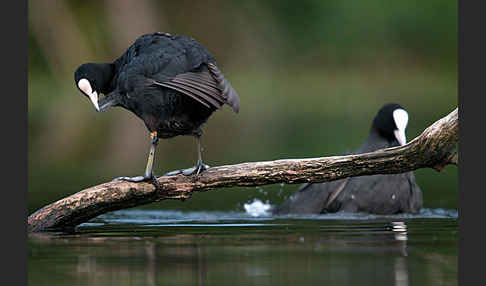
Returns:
point(196, 170)
point(137, 179)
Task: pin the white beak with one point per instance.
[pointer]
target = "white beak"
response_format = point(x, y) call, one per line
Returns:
point(85, 86)
point(400, 135)
point(401, 119)
point(94, 99)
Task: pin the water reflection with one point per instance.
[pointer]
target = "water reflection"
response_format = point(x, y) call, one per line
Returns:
point(151, 267)
point(399, 228)
point(283, 251)
point(401, 272)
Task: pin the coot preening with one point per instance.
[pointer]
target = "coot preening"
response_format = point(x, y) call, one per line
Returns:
point(377, 194)
point(169, 81)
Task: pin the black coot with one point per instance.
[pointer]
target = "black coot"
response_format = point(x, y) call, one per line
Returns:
point(169, 81)
point(377, 194)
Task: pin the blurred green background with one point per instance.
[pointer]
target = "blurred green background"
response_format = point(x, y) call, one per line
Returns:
point(311, 75)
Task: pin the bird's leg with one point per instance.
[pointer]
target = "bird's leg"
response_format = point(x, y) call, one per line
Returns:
point(149, 169)
point(148, 175)
point(198, 168)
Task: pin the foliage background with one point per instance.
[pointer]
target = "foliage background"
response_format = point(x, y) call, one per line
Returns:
point(310, 74)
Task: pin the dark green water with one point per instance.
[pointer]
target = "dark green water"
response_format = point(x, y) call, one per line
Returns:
point(152, 247)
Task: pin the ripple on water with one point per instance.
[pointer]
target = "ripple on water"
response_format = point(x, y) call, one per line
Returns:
point(256, 213)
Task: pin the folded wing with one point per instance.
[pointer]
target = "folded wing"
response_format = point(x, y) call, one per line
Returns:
point(207, 85)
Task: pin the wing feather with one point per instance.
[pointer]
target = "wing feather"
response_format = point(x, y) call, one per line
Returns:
point(207, 85)
point(193, 93)
point(209, 90)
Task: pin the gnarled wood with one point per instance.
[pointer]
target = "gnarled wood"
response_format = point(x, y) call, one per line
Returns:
point(434, 148)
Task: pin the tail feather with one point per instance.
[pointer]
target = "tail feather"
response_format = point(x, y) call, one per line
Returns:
point(229, 93)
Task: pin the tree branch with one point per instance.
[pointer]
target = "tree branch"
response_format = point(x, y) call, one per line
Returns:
point(435, 148)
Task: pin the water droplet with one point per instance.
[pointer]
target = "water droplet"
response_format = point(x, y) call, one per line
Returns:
point(257, 208)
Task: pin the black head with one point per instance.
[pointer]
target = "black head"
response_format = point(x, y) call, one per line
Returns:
point(390, 122)
point(93, 79)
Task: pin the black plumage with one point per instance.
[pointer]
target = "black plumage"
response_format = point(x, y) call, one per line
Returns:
point(377, 194)
point(169, 81)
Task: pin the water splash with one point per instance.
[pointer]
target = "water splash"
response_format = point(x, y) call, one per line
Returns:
point(261, 190)
point(258, 208)
point(281, 190)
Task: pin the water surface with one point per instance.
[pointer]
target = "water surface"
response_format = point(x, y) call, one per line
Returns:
point(154, 247)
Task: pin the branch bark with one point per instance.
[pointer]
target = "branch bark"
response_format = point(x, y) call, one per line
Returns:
point(435, 148)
